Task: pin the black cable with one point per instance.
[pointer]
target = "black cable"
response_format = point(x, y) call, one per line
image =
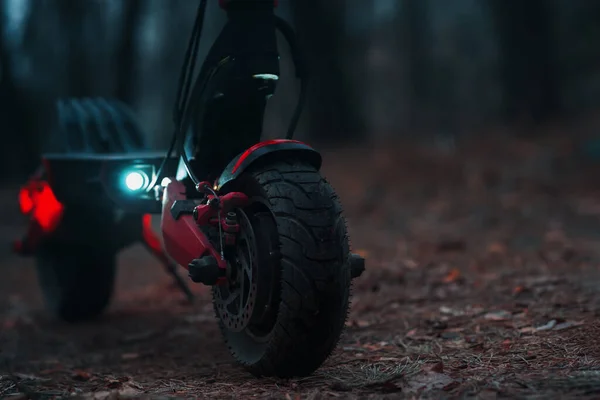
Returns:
point(184, 84)
point(298, 111)
point(185, 80)
point(202, 84)
point(301, 71)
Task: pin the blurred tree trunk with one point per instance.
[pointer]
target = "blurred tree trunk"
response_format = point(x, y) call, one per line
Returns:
point(413, 25)
point(72, 15)
point(333, 107)
point(528, 61)
point(128, 54)
point(18, 153)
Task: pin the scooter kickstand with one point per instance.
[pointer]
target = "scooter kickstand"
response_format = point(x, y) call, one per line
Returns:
point(154, 246)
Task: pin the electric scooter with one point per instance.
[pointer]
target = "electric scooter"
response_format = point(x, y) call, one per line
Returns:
point(253, 219)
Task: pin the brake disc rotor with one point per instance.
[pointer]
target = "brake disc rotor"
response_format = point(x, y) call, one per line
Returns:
point(235, 301)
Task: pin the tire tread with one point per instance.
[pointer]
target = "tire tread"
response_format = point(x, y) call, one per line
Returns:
point(315, 289)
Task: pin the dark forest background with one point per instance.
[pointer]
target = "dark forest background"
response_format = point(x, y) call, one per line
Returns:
point(381, 69)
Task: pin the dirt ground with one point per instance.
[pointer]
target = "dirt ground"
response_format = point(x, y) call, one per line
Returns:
point(482, 282)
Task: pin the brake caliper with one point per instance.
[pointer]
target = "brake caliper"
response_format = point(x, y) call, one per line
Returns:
point(207, 269)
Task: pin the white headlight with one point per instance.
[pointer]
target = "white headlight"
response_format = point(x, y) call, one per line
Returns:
point(135, 181)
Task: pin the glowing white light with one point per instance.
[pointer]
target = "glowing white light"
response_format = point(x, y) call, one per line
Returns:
point(135, 181)
point(266, 77)
point(165, 182)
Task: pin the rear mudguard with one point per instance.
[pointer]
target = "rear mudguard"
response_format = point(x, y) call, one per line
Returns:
point(268, 151)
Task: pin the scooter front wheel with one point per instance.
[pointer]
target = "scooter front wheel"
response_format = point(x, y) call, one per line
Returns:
point(285, 304)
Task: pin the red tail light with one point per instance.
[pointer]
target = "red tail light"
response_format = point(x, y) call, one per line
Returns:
point(38, 200)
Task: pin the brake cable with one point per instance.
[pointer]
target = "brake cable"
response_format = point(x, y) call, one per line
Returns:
point(184, 84)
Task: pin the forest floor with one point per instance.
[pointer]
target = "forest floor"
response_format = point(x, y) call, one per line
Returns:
point(482, 281)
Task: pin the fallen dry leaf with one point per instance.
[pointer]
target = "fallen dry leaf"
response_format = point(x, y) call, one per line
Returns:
point(519, 289)
point(360, 323)
point(28, 377)
point(80, 375)
point(452, 276)
point(118, 382)
point(528, 329)
point(129, 391)
point(547, 326)
point(100, 395)
point(500, 315)
point(567, 325)
point(451, 311)
point(437, 367)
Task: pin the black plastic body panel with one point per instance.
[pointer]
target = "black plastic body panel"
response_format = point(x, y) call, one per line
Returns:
point(92, 180)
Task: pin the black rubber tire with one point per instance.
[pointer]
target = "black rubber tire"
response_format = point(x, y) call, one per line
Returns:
point(313, 298)
point(77, 282)
point(77, 269)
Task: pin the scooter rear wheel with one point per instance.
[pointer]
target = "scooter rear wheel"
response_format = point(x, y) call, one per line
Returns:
point(77, 268)
point(285, 306)
point(77, 282)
